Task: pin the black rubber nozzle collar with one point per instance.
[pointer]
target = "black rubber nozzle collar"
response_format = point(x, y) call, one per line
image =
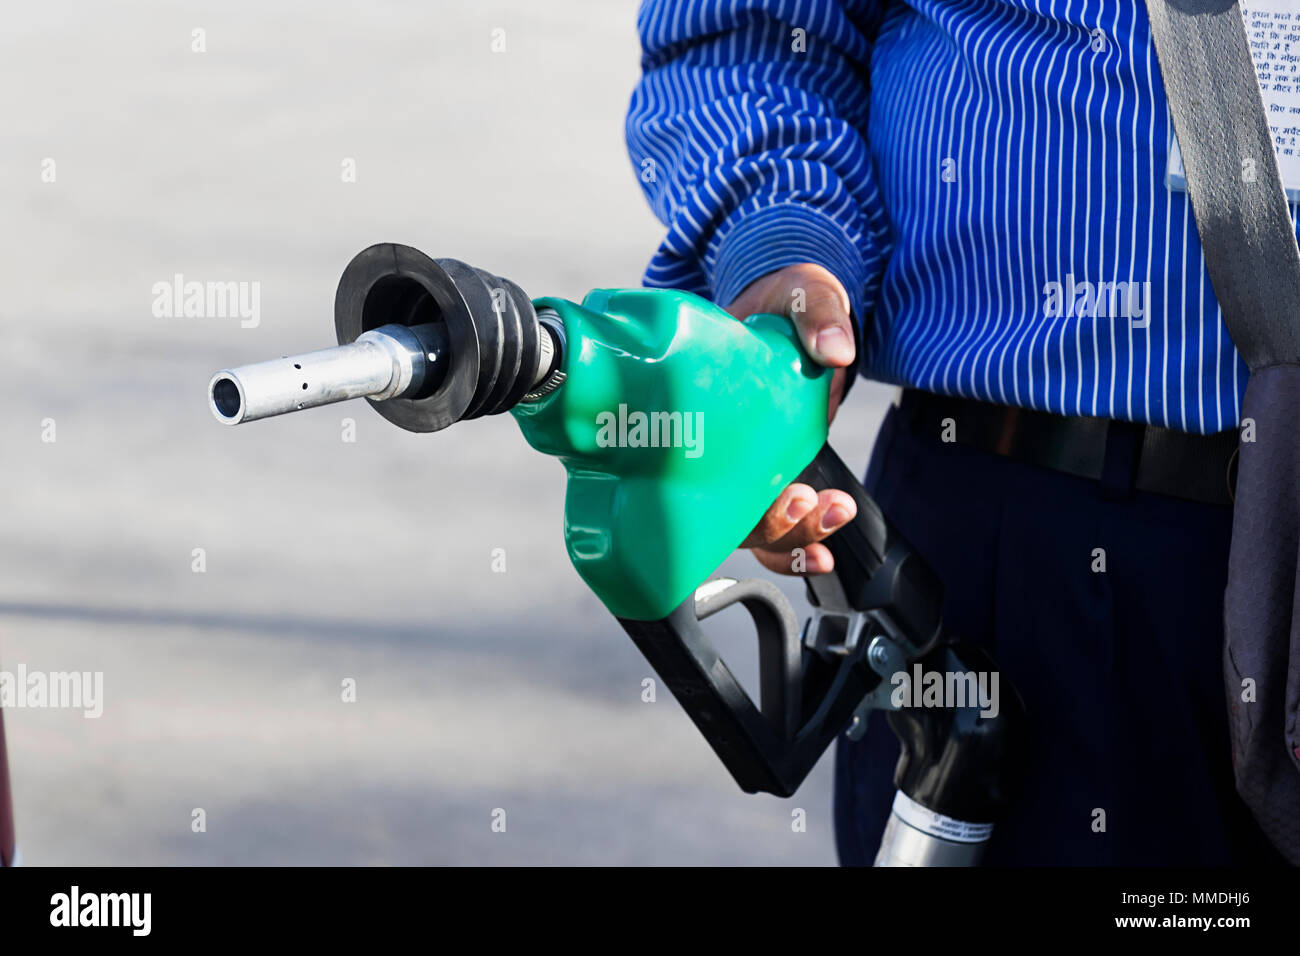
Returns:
point(492, 335)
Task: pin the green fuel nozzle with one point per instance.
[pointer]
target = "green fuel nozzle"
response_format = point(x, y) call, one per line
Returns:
point(678, 426)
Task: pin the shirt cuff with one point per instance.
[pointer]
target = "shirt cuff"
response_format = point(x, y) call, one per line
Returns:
point(786, 234)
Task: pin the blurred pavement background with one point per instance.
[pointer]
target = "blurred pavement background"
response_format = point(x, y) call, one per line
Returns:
point(325, 560)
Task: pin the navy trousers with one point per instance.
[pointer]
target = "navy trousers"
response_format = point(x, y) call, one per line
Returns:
point(1128, 761)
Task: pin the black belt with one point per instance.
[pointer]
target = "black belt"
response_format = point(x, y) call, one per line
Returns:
point(1123, 456)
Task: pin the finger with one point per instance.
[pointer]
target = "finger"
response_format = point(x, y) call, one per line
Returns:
point(790, 507)
point(834, 510)
point(815, 299)
point(814, 559)
point(824, 324)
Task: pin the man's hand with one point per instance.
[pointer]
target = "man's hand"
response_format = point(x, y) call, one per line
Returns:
point(801, 517)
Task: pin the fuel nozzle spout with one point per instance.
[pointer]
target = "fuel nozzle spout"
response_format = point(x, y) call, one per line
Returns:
point(427, 342)
point(393, 361)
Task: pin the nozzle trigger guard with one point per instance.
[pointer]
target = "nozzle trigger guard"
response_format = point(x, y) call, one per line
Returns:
point(878, 609)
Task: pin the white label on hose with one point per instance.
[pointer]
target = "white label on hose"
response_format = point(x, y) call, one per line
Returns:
point(936, 824)
point(1273, 31)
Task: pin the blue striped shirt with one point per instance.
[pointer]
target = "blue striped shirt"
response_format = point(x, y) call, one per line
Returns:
point(986, 177)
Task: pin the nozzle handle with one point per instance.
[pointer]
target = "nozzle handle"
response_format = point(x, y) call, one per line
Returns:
point(875, 567)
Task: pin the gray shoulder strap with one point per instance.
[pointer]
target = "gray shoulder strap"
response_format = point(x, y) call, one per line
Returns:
point(1244, 222)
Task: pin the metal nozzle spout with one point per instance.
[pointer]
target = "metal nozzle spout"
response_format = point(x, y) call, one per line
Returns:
point(428, 342)
point(388, 362)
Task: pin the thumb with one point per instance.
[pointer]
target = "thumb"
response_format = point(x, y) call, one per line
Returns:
point(820, 310)
point(815, 301)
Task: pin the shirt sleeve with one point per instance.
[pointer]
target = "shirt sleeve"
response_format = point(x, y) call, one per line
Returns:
point(747, 132)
